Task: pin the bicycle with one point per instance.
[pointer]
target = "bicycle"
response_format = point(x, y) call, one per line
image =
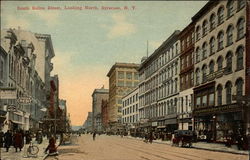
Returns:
point(32, 150)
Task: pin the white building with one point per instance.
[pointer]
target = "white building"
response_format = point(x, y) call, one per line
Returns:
point(130, 111)
point(158, 87)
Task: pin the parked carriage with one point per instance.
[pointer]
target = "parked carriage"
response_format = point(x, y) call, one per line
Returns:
point(183, 138)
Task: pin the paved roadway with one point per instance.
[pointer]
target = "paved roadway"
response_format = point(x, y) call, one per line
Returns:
point(117, 148)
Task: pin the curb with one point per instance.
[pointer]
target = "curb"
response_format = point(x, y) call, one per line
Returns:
point(208, 149)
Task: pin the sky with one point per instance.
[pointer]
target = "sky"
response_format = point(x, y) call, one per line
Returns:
point(88, 42)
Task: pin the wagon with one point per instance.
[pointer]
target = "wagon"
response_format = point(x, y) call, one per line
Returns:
point(183, 138)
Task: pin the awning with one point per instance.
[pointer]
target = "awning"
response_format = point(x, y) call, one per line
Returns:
point(161, 127)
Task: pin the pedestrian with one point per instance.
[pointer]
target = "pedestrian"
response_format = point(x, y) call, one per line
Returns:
point(7, 140)
point(18, 140)
point(28, 137)
point(240, 142)
point(94, 135)
point(151, 137)
point(1, 139)
point(52, 146)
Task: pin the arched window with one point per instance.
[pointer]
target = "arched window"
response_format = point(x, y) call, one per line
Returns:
point(239, 87)
point(228, 92)
point(219, 95)
point(230, 8)
point(204, 50)
point(239, 54)
point(220, 41)
point(204, 28)
point(198, 54)
point(230, 35)
point(229, 62)
point(219, 62)
point(198, 33)
point(220, 15)
point(240, 28)
point(241, 4)
point(197, 76)
point(212, 45)
point(211, 67)
point(204, 73)
point(212, 21)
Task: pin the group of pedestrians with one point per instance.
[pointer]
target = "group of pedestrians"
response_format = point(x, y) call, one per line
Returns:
point(15, 139)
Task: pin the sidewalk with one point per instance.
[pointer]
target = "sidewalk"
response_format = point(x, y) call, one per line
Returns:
point(205, 146)
point(13, 155)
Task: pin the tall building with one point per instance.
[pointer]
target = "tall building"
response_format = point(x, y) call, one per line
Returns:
point(22, 52)
point(104, 114)
point(97, 96)
point(123, 78)
point(221, 69)
point(158, 88)
point(184, 110)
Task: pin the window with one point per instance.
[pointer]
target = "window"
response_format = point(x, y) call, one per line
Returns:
point(239, 87)
point(220, 15)
point(230, 8)
point(230, 35)
point(240, 28)
point(204, 100)
point(136, 76)
point(120, 75)
point(212, 45)
point(241, 4)
point(198, 54)
point(211, 67)
point(239, 54)
point(120, 83)
point(219, 95)
point(228, 92)
point(1, 70)
point(192, 39)
point(198, 101)
point(192, 79)
point(129, 84)
point(198, 34)
point(197, 76)
point(204, 73)
point(212, 22)
point(204, 50)
point(204, 28)
point(188, 41)
point(229, 62)
point(211, 99)
point(219, 62)
point(220, 41)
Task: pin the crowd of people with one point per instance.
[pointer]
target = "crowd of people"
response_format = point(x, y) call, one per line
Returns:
point(17, 139)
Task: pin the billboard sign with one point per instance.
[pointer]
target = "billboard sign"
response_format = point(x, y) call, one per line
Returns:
point(8, 94)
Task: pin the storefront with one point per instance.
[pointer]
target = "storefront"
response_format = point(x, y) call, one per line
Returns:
point(219, 123)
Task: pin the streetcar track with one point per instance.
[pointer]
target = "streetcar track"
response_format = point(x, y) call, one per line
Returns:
point(143, 151)
point(178, 152)
point(169, 153)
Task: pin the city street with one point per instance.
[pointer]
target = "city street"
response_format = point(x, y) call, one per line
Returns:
point(117, 148)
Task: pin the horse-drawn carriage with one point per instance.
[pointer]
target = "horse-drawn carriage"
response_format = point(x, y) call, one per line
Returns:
point(183, 138)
